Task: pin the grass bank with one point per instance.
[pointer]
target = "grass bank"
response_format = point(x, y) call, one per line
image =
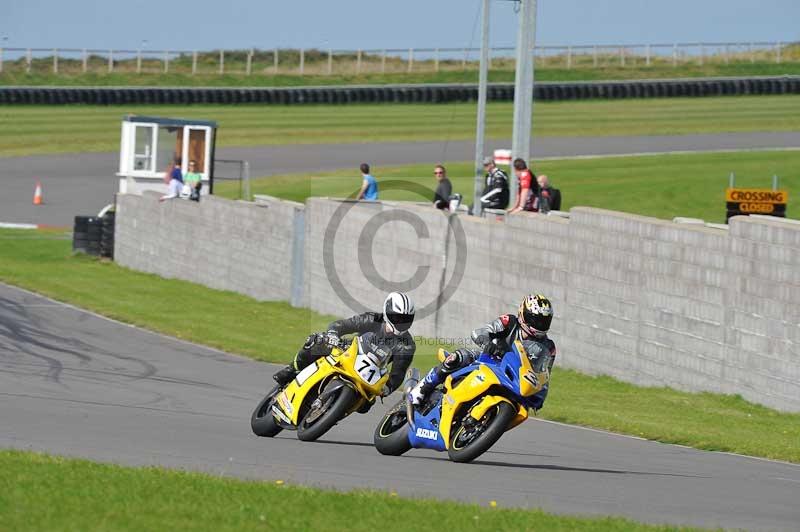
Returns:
point(42, 261)
point(92, 496)
point(663, 186)
point(70, 74)
point(79, 128)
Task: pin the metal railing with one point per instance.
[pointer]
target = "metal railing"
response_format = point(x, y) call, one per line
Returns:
point(234, 170)
point(76, 61)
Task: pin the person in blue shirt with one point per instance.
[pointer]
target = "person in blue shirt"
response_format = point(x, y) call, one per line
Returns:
point(369, 186)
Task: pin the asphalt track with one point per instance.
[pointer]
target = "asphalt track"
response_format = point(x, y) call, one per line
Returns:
point(82, 184)
point(77, 384)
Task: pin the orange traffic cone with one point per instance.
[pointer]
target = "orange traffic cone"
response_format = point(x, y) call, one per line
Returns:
point(37, 194)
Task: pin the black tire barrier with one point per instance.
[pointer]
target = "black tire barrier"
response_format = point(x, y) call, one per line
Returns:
point(396, 94)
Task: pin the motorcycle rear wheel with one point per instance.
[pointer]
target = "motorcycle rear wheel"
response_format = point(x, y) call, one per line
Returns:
point(335, 409)
point(495, 422)
point(391, 434)
point(262, 421)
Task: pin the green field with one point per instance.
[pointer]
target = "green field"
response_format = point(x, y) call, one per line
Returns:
point(42, 261)
point(77, 128)
point(40, 492)
point(208, 73)
point(662, 186)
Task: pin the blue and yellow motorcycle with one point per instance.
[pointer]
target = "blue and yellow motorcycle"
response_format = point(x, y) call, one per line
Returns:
point(476, 406)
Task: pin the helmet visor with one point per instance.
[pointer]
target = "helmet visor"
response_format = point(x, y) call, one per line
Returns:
point(401, 322)
point(540, 322)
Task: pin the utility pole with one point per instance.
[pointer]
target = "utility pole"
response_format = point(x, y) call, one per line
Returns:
point(481, 126)
point(523, 87)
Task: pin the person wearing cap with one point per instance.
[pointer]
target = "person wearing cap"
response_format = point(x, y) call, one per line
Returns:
point(495, 193)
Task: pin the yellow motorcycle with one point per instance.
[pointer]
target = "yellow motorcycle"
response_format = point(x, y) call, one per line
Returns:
point(476, 406)
point(330, 389)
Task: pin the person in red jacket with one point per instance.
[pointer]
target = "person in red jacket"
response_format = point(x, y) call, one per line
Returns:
point(528, 187)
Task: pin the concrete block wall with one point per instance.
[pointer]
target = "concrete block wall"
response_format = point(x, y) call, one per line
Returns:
point(644, 300)
point(223, 244)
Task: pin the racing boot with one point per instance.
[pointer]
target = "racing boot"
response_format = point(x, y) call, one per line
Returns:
point(285, 376)
point(419, 393)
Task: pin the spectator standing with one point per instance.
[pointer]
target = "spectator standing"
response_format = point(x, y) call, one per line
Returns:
point(174, 179)
point(495, 193)
point(549, 198)
point(528, 187)
point(369, 185)
point(441, 198)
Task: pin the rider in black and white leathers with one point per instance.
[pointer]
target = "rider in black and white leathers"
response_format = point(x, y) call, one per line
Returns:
point(393, 337)
point(494, 338)
point(495, 194)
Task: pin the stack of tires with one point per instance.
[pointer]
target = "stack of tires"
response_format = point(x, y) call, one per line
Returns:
point(94, 235)
point(107, 235)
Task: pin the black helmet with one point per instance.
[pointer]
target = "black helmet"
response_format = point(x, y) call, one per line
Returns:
point(398, 312)
point(535, 315)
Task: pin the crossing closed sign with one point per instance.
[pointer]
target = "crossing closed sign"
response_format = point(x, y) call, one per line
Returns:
point(756, 201)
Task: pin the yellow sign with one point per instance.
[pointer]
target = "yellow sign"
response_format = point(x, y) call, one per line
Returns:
point(751, 196)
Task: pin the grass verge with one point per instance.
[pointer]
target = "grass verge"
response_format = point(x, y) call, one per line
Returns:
point(40, 129)
point(180, 76)
point(42, 261)
point(662, 186)
point(92, 496)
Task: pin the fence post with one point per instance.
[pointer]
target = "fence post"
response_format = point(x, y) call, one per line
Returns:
point(1, 59)
point(436, 60)
point(221, 62)
point(358, 62)
point(569, 57)
point(194, 63)
point(778, 47)
point(28, 59)
point(275, 61)
point(674, 55)
point(383, 62)
point(330, 61)
point(111, 60)
point(410, 59)
point(727, 54)
point(247, 196)
point(302, 60)
point(85, 60)
point(702, 53)
point(594, 56)
point(138, 61)
point(752, 54)
point(166, 61)
point(55, 60)
point(464, 60)
point(622, 56)
point(249, 61)
point(647, 55)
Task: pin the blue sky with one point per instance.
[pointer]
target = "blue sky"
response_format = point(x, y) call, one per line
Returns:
point(350, 24)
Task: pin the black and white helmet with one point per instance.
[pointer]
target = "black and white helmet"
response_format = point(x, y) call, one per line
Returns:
point(398, 312)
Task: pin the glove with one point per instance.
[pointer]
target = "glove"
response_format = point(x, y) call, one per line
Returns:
point(497, 347)
point(331, 339)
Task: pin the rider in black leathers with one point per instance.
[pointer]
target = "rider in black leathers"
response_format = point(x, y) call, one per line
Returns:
point(390, 329)
point(495, 194)
point(530, 326)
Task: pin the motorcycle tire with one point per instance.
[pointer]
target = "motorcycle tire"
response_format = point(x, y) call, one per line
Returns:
point(391, 434)
point(340, 403)
point(262, 421)
point(503, 414)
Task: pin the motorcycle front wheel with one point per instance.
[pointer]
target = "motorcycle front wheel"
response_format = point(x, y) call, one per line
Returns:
point(469, 442)
point(391, 434)
point(320, 418)
point(262, 421)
